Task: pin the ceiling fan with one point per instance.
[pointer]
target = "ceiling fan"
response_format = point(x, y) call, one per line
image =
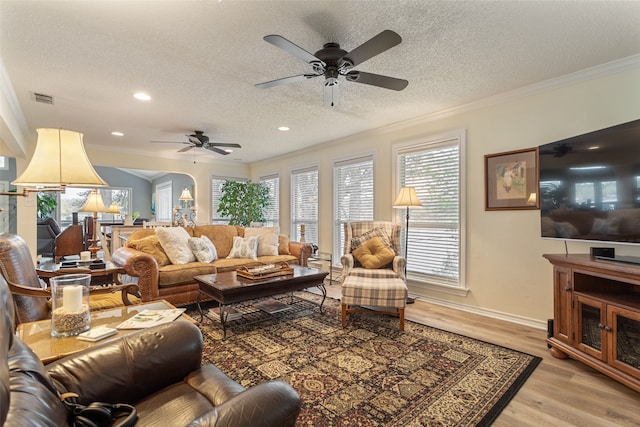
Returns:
point(331, 62)
point(559, 150)
point(199, 140)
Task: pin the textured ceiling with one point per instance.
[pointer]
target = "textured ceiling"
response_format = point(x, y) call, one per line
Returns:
point(199, 60)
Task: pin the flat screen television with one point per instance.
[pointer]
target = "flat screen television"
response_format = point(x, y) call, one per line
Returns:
point(590, 186)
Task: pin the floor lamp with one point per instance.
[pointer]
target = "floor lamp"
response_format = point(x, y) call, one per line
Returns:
point(407, 199)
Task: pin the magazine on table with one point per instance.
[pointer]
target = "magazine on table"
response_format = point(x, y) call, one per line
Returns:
point(149, 318)
point(229, 312)
point(272, 306)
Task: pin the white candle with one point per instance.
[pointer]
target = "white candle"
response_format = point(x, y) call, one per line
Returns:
point(72, 298)
point(85, 256)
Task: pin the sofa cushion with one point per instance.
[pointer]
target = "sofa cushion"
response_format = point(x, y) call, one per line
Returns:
point(374, 253)
point(268, 243)
point(245, 247)
point(151, 245)
point(202, 248)
point(283, 245)
point(174, 241)
point(221, 236)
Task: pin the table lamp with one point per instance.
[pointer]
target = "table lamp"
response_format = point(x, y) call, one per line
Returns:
point(94, 204)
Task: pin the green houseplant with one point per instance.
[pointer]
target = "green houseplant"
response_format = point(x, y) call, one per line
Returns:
point(46, 204)
point(243, 202)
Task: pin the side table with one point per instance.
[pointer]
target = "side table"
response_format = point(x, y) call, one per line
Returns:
point(323, 257)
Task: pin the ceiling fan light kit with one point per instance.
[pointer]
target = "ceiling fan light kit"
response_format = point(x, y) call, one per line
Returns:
point(332, 61)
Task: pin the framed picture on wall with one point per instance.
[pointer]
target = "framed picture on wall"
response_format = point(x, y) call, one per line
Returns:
point(511, 180)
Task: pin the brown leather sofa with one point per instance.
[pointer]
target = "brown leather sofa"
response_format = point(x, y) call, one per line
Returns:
point(174, 283)
point(157, 370)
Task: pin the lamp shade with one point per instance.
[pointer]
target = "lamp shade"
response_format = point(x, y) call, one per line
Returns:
point(59, 160)
point(113, 208)
point(94, 203)
point(186, 195)
point(407, 198)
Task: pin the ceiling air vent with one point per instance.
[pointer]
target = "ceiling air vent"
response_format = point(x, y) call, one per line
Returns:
point(45, 99)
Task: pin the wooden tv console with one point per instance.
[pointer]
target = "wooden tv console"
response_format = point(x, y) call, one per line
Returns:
point(596, 315)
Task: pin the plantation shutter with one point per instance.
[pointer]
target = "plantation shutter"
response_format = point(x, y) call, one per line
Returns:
point(216, 194)
point(354, 193)
point(434, 231)
point(304, 203)
point(272, 212)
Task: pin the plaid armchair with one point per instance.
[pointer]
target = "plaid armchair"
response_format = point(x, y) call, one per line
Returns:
point(359, 231)
point(380, 282)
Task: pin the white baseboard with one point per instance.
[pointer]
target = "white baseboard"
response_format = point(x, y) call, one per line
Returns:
point(493, 314)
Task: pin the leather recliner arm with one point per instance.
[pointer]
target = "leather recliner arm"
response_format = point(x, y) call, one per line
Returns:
point(133, 367)
point(270, 404)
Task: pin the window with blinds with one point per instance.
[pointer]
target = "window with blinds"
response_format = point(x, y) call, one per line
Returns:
point(272, 212)
point(304, 204)
point(353, 192)
point(434, 244)
point(216, 194)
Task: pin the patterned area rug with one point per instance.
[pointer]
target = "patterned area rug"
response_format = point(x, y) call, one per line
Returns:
point(369, 373)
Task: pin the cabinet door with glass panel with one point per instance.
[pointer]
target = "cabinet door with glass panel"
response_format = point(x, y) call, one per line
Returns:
point(624, 339)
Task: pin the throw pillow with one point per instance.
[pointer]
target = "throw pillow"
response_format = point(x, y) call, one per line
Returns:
point(268, 243)
point(174, 241)
point(283, 245)
point(244, 247)
point(203, 249)
point(376, 232)
point(374, 253)
point(151, 245)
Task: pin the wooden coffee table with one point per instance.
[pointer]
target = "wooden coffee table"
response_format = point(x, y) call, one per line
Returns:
point(37, 335)
point(228, 288)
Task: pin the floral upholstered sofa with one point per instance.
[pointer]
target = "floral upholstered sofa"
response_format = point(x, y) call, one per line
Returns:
point(165, 260)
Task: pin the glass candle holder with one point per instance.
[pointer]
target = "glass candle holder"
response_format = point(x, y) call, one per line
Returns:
point(70, 304)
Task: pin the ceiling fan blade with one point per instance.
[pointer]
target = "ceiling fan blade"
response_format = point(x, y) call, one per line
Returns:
point(378, 44)
point(331, 95)
point(182, 150)
point(285, 80)
point(224, 144)
point(376, 80)
point(217, 150)
point(292, 48)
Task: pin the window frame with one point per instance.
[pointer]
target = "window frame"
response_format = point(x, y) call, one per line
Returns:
point(425, 143)
point(338, 223)
point(293, 222)
point(274, 206)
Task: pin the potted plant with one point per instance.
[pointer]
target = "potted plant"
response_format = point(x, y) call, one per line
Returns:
point(46, 204)
point(243, 202)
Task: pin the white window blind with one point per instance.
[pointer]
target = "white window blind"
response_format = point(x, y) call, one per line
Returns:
point(434, 250)
point(216, 194)
point(304, 204)
point(272, 213)
point(353, 192)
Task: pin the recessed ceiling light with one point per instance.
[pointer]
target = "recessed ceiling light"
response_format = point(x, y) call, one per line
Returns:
point(283, 128)
point(115, 133)
point(142, 96)
point(228, 150)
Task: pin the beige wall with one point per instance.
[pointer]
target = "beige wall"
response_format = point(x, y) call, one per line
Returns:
point(505, 273)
